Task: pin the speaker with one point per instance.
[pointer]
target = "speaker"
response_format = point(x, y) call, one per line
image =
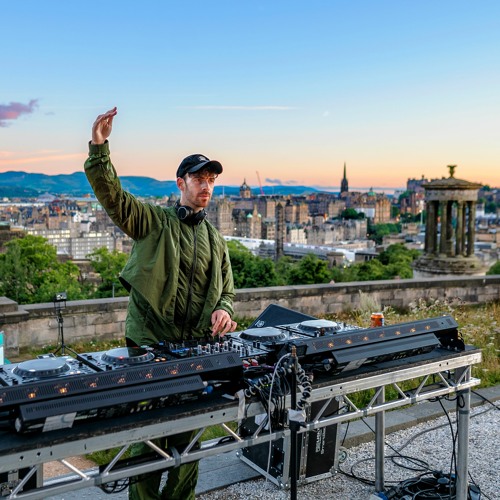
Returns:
point(187, 215)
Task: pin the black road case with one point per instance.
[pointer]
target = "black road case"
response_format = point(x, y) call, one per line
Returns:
point(317, 450)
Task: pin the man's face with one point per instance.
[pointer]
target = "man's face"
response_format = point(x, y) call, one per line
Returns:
point(196, 189)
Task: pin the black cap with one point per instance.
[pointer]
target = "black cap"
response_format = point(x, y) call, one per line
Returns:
point(196, 162)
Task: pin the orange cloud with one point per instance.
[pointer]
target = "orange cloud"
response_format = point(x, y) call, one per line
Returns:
point(7, 158)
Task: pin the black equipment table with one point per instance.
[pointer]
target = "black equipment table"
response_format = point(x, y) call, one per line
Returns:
point(440, 372)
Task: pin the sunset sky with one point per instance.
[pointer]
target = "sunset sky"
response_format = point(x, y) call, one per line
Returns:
point(287, 91)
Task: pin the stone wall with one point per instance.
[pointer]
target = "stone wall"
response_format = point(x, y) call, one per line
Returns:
point(37, 325)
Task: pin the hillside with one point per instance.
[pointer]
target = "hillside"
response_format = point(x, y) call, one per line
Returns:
point(23, 184)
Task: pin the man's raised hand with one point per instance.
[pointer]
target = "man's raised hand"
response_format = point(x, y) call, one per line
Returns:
point(103, 124)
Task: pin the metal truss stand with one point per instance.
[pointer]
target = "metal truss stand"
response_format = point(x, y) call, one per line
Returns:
point(443, 374)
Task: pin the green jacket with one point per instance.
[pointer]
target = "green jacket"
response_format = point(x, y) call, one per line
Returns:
point(153, 268)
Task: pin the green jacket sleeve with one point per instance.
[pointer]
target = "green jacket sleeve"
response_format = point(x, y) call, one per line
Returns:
point(134, 218)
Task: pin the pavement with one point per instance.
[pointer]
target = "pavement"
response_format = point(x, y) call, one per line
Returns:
point(225, 469)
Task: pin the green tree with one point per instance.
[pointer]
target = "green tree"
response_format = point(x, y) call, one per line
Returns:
point(309, 270)
point(283, 267)
point(398, 253)
point(376, 232)
point(351, 213)
point(260, 272)
point(239, 255)
point(31, 273)
point(490, 207)
point(250, 271)
point(108, 265)
point(65, 278)
point(395, 212)
point(371, 270)
point(495, 268)
point(394, 262)
point(15, 275)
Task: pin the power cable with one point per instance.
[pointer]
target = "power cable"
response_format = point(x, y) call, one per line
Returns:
point(444, 478)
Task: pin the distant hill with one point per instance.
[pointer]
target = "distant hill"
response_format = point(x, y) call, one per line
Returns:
point(23, 184)
point(17, 192)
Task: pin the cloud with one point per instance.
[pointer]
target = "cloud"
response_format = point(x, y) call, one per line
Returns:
point(279, 182)
point(14, 110)
point(9, 159)
point(273, 181)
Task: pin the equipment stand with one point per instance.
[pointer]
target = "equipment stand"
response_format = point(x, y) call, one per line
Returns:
point(379, 441)
point(463, 418)
point(59, 305)
point(294, 427)
point(452, 370)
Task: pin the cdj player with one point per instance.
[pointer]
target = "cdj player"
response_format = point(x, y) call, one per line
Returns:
point(57, 392)
point(336, 347)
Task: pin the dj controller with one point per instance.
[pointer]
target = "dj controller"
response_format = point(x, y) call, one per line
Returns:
point(54, 392)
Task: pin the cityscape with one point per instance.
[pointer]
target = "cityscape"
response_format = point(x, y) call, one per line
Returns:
point(332, 226)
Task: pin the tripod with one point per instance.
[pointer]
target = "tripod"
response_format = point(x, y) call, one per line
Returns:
point(60, 304)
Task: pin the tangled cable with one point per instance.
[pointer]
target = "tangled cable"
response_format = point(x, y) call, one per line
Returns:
point(271, 389)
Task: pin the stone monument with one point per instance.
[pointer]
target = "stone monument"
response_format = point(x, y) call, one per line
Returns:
point(450, 205)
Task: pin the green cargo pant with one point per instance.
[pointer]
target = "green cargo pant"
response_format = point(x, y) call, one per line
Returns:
point(181, 481)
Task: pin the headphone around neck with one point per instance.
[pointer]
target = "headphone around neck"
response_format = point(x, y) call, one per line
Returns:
point(187, 215)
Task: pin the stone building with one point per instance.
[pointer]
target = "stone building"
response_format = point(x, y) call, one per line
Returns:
point(296, 211)
point(332, 232)
point(375, 206)
point(325, 204)
point(220, 214)
point(247, 223)
point(266, 206)
point(382, 209)
point(412, 203)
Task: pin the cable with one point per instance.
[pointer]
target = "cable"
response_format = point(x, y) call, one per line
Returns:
point(453, 463)
point(269, 421)
point(272, 389)
point(486, 399)
point(116, 486)
point(345, 434)
point(418, 488)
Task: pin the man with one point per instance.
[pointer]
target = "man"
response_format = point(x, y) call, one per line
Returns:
point(178, 275)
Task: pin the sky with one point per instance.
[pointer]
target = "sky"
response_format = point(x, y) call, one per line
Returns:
point(280, 92)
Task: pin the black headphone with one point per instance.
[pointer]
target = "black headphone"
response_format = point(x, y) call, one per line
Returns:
point(188, 215)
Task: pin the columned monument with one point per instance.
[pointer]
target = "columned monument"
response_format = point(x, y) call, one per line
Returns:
point(450, 205)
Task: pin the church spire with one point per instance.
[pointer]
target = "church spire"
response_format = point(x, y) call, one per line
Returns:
point(344, 185)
